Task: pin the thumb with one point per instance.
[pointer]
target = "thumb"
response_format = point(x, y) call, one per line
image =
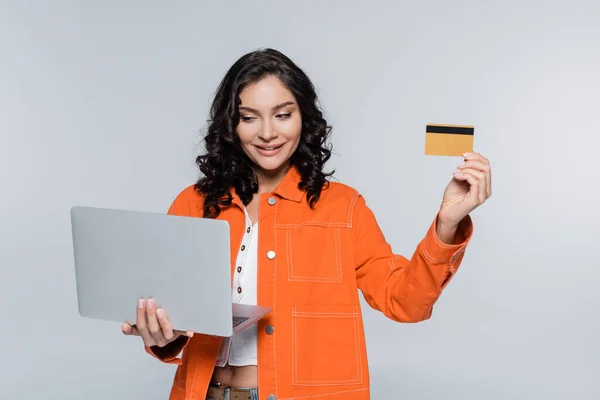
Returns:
point(183, 333)
point(129, 329)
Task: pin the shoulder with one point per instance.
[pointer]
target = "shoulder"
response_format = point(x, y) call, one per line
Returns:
point(346, 199)
point(336, 203)
point(340, 193)
point(188, 203)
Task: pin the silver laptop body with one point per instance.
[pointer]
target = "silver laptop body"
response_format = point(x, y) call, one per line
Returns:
point(181, 262)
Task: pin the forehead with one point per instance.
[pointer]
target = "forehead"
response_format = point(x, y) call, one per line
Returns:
point(265, 93)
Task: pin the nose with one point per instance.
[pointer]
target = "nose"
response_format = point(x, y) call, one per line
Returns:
point(267, 131)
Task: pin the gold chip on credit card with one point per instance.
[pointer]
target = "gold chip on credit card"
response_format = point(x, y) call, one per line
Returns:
point(448, 140)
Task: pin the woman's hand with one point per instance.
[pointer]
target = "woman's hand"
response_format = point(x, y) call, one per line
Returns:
point(153, 325)
point(470, 188)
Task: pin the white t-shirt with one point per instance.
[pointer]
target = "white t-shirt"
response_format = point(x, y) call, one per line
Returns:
point(241, 349)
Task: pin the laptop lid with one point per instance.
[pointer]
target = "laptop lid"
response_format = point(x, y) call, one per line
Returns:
point(181, 262)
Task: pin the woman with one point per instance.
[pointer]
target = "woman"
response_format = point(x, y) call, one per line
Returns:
point(302, 245)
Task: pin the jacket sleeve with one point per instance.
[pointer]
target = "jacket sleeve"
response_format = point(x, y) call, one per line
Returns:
point(168, 354)
point(402, 289)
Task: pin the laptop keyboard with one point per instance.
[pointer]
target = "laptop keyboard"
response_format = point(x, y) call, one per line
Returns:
point(238, 319)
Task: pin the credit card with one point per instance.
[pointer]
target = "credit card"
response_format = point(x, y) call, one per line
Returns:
point(448, 140)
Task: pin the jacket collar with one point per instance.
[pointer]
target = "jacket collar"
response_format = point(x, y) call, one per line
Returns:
point(287, 188)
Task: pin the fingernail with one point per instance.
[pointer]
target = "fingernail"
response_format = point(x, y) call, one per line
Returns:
point(150, 303)
point(141, 303)
point(467, 154)
point(160, 313)
point(461, 165)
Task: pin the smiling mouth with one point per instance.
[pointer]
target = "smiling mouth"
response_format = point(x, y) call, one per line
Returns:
point(269, 148)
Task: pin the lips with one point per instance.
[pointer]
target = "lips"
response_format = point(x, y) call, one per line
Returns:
point(270, 150)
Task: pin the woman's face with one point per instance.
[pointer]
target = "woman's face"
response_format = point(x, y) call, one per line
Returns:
point(270, 125)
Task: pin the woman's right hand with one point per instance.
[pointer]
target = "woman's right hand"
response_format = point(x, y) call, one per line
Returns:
point(153, 325)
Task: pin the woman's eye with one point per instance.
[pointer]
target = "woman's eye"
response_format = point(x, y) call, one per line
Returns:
point(246, 118)
point(284, 116)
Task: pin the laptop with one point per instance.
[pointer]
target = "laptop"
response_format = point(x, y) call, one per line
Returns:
point(183, 263)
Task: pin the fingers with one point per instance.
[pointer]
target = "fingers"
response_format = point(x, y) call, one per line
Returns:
point(129, 329)
point(169, 333)
point(484, 169)
point(480, 163)
point(487, 170)
point(475, 156)
point(476, 179)
point(142, 324)
point(184, 333)
point(153, 324)
point(165, 325)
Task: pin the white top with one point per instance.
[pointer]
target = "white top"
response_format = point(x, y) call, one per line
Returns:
point(241, 349)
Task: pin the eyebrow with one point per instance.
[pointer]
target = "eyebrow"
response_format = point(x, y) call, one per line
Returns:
point(277, 107)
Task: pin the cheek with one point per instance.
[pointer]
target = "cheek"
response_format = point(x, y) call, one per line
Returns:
point(293, 130)
point(245, 133)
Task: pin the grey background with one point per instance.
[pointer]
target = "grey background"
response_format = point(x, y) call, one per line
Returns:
point(101, 104)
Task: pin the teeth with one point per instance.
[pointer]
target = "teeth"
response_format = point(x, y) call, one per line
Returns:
point(271, 148)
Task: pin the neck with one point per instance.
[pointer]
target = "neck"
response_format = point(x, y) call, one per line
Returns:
point(269, 180)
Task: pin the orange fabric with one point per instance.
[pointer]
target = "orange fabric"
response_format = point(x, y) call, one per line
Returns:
point(317, 349)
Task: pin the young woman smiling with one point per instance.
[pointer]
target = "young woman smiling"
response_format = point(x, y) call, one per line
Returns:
point(302, 245)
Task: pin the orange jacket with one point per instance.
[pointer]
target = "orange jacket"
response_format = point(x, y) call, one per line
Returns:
point(314, 347)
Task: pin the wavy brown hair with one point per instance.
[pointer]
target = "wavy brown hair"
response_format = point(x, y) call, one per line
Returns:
point(225, 165)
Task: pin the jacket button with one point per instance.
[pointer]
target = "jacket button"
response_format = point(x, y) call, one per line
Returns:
point(272, 201)
point(271, 397)
point(270, 329)
point(270, 254)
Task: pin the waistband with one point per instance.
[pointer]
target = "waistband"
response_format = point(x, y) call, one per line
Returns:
point(228, 393)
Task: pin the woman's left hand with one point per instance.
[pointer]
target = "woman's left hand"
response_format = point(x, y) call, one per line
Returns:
point(470, 188)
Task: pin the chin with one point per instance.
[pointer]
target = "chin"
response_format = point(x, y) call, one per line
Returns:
point(271, 165)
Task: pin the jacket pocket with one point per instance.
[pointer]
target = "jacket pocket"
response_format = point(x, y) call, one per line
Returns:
point(326, 345)
point(313, 253)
